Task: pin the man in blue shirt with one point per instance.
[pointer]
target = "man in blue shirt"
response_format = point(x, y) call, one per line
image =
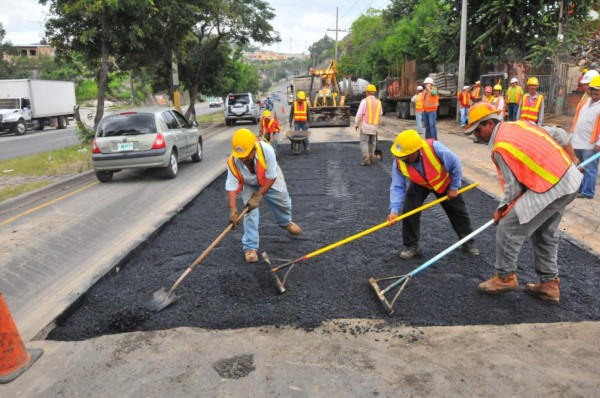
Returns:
point(422, 167)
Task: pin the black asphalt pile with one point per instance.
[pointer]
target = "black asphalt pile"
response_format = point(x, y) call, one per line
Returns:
point(333, 197)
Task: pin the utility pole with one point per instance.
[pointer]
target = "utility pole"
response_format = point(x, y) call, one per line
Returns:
point(336, 30)
point(176, 98)
point(290, 45)
point(462, 52)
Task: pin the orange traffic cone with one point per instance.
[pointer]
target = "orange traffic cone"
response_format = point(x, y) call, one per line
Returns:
point(14, 358)
point(282, 110)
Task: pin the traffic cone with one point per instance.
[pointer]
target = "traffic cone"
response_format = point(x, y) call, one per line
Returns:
point(282, 110)
point(14, 358)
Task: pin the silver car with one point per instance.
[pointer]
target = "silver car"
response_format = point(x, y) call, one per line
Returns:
point(144, 138)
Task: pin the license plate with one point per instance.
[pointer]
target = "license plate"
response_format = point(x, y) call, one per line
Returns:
point(125, 146)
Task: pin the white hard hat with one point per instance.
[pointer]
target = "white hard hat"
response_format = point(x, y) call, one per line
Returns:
point(420, 88)
point(589, 75)
point(514, 80)
point(465, 87)
point(428, 80)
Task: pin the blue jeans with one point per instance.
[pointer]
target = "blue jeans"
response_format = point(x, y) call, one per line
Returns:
point(429, 122)
point(281, 206)
point(590, 172)
point(302, 126)
point(512, 111)
point(419, 119)
point(464, 117)
point(274, 143)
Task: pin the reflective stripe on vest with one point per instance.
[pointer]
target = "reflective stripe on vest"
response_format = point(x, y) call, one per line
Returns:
point(595, 132)
point(373, 111)
point(436, 177)
point(260, 167)
point(419, 103)
point(534, 157)
point(582, 101)
point(300, 112)
point(430, 101)
point(464, 99)
point(271, 127)
point(489, 99)
point(476, 93)
point(529, 110)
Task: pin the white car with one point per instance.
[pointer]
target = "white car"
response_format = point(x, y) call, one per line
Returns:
point(215, 102)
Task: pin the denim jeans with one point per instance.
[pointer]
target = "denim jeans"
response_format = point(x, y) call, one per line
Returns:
point(367, 147)
point(464, 116)
point(419, 119)
point(512, 111)
point(273, 143)
point(429, 122)
point(302, 126)
point(280, 204)
point(590, 172)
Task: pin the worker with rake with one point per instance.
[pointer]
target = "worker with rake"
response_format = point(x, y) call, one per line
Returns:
point(253, 171)
point(538, 173)
point(422, 167)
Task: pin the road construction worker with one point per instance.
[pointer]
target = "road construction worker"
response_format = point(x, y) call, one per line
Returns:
point(431, 102)
point(498, 100)
point(464, 101)
point(514, 93)
point(417, 99)
point(366, 121)
point(538, 173)
point(252, 169)
point(487, 94)
point(586, 138)
point(422, 167)
point(585, 82)
point(476, 92)
point(269, 129)
point(532, 104)
point(299, 116)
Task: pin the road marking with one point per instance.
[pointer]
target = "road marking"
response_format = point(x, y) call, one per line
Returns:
point(9, 220)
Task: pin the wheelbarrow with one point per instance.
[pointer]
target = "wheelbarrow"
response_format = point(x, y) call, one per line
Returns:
point(298, 140)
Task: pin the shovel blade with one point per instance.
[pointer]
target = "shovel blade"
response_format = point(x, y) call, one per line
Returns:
point(161, 299)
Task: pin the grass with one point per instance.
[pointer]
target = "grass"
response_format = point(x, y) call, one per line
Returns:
point(15, 190)
point(216, 117)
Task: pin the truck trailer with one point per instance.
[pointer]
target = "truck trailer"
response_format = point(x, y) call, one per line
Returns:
point(30, 104)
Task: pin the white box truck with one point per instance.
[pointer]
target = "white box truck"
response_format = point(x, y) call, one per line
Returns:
point(27, 104)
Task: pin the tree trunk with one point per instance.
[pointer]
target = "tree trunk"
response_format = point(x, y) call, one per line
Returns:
point(193, 92)
point(102, 84)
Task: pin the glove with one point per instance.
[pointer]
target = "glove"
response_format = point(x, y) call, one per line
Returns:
point(233, 216)
point(254, 200)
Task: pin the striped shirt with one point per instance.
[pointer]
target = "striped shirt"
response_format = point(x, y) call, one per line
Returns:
point(532, 203)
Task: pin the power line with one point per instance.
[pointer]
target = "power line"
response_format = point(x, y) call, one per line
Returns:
point(350, 9)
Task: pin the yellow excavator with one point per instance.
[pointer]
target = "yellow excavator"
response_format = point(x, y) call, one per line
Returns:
point(327, 107)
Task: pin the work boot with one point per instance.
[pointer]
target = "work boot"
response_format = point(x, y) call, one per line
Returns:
point(365, 163)
point(470, 248)
point(409, 252)
point(293, 228)
point(547, 291)
point(251, 256)
point(497, 285)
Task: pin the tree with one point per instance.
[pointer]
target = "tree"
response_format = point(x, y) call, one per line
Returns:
point(322, 50)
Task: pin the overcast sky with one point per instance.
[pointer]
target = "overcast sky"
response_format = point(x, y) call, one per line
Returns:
point(302, 21)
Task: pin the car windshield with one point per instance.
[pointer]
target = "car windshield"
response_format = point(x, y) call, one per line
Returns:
point(239, 99)
point(127, 124)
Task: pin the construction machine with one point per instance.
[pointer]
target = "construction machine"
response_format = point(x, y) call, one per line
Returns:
point(327, 107)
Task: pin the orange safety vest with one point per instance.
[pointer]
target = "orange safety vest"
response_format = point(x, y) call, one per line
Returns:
point(300, 111)
point(260, 167)
point(419, 103)
point(514, 92)
point(464, 99)
point(430, 101)
point(476, 93)
point(436, 176)
point(271, 127)
point(582, 101)
point(373, 111)
point(534, 157)
point(529, 110)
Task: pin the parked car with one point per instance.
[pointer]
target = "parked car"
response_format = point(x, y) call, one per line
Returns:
point(215, 102)
point(144, 138)
point(241, 107)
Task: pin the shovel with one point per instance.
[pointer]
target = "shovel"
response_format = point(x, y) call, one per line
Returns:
point(378, 153)
point(162, 298)
point(281, 284)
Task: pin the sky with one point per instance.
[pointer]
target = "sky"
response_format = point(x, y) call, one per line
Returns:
point(300, 23)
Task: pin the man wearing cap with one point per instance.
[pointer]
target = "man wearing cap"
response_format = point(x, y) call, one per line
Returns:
point(531, 107)
point(299, 116)
point(367, 121)
point(514, 93)
point(252, 170)
point(422, 167)
point(538, 173)
point(464, 101)
point(269, 128)
point(586, 138)
point(417, 99)
point(431, 102)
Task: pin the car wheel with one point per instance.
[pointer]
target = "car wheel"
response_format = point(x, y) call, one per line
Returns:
point(62, 123)
point(20, 128)
point(104, 176)
point(197, 156)
point(170, 171)
point(296, 147)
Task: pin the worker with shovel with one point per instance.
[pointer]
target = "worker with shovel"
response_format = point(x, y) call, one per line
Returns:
point(253, 171)
point(422, 167)
point(538, 173)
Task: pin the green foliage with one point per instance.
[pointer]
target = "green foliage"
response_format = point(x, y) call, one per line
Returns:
point(322, 50)
point(86, 90)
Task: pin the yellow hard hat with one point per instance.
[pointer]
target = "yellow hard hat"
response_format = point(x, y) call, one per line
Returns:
point(242, 143)
point(406, 142)
point(480, 112)
point(301, 95)
point(585, 70)
point(498, 87)
point(595, 83)
point(533, 81)
point(371, 89)
point(266, 113)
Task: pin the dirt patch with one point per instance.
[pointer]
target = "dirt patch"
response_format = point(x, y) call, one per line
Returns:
point(236, 367)
point(333, 198)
